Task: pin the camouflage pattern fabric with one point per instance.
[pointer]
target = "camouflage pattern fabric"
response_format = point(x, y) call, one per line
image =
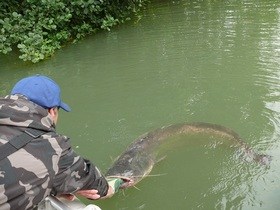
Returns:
point(47, 165)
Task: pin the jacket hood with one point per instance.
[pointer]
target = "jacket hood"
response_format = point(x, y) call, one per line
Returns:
point(16, 110)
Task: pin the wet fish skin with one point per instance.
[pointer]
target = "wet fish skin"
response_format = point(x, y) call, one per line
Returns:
point(137, 161)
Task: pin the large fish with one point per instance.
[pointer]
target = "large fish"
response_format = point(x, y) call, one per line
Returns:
point(137, 161)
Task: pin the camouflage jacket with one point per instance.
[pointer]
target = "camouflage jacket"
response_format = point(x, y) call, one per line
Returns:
point(46, 165)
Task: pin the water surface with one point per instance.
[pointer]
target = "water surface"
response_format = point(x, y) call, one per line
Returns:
point(183, 61)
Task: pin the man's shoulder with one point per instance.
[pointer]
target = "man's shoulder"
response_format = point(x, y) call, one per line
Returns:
point(57, 140)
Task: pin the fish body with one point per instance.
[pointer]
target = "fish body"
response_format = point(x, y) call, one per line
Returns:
point(137, 161)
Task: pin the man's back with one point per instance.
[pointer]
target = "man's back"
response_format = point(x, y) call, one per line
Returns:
point(46, 165)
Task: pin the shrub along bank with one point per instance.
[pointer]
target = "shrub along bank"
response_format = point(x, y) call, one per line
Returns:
point(39, 27)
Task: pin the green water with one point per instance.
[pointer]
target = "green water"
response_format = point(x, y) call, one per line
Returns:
point(183, 61)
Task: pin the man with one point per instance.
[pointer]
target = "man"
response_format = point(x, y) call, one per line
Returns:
point(35, 161)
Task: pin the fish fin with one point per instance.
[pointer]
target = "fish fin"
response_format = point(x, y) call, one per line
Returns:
point(111, 158)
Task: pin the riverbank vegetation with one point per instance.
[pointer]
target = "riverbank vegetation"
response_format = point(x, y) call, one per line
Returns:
point(38, 28)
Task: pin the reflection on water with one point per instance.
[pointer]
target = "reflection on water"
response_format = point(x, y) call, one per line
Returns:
point(211, 61)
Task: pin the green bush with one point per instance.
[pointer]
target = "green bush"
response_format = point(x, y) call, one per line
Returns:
point(39, 27)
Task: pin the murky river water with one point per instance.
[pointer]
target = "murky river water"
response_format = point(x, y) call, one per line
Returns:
point(183, 61)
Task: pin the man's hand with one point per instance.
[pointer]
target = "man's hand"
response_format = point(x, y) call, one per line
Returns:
point(90, 194)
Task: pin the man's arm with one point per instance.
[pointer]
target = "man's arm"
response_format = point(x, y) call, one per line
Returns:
point(114, 185)
point(76, 174)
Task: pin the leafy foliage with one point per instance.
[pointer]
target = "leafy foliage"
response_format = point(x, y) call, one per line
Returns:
point(39, 27)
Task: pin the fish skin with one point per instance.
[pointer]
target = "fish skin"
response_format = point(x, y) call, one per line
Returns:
point(138, 160)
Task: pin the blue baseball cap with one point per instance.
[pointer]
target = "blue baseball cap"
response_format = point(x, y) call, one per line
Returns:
point(40, 90)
